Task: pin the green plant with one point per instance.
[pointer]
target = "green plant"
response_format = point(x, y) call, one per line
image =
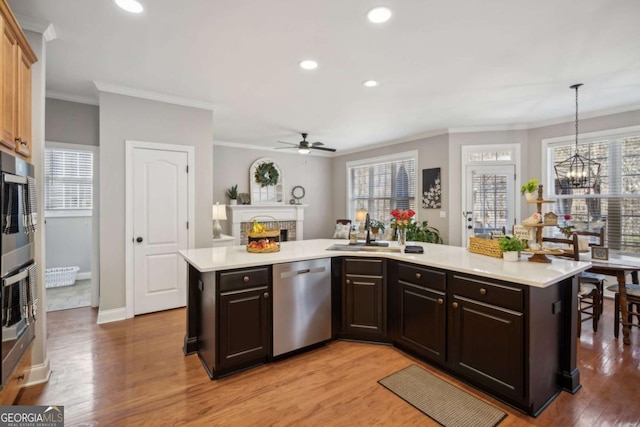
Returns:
point(530, 186)
point(232, 192)
point(377, 224)
point(421, 232)
point(511, 244)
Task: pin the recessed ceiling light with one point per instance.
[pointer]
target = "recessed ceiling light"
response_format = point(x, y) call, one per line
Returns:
point(369, 83)
point(309, 64)
point(378, 15)
point(130, 5)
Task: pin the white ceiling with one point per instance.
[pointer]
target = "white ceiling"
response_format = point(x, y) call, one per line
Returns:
point(440, 64)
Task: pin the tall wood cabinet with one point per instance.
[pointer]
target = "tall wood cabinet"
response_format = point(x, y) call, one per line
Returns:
point(16, 58)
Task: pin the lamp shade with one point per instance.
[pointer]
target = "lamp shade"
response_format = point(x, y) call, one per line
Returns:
point(219, 211)
point(361, 215)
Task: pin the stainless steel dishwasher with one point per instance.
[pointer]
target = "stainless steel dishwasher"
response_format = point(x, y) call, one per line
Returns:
point(301, 304)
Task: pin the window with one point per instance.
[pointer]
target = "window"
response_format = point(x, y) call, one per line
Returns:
point(382, 184)
point(615, 202)
point(68, 179)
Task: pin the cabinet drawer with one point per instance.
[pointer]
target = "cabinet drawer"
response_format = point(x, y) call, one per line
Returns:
point(422, 276)
point(369, 267)
point(242, 279)
point(15, 381)
point(490, 293)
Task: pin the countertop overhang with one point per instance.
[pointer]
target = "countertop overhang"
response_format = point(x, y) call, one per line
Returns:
point(453, 258)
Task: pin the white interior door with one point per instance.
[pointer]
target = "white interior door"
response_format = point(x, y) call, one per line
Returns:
point(489, 200)
point(160, 215)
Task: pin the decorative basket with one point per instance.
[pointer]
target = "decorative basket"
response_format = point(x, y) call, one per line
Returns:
point(60, 276)
point(264, 241)
point(484, 247)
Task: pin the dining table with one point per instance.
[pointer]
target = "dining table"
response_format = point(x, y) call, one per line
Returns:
point(618, 265)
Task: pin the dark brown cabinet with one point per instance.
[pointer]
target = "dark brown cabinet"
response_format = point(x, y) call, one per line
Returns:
point(421, 311)
point(486, 338)
point(235, 329)
point(364, 298)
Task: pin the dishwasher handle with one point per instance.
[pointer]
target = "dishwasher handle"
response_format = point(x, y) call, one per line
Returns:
point(292, 273)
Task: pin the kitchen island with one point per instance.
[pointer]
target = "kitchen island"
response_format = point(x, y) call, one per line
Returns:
point(507, 328)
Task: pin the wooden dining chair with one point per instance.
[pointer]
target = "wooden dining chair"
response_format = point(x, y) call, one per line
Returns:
point(599, 236)
point(589, 293)
point(596, 238)
point(633, 299)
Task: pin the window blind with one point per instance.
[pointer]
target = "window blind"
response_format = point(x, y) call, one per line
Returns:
point(68, 179)
point(614, 203)
point(381, 186)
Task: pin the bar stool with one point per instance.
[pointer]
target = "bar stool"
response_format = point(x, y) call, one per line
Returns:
point(633, 299)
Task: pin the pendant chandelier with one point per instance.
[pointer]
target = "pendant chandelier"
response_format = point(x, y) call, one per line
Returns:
point(577, 172)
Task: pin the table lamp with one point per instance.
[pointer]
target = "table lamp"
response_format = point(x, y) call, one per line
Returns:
point(218, 212)
point(361, 216)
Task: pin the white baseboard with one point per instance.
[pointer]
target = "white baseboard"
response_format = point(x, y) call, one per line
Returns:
point(113, 315)
point(38, 374)
point(84, 275)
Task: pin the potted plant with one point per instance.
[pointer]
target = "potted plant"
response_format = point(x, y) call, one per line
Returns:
point(528, 190)
point(511, 247)
point(232, 194)
point(377, 226)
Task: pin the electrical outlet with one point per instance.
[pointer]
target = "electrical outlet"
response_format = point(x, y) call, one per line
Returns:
point(443, 214)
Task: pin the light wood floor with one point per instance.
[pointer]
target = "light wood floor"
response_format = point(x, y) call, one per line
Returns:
point(134, 373)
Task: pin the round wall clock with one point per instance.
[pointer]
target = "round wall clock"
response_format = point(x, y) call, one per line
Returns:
point(298, 193)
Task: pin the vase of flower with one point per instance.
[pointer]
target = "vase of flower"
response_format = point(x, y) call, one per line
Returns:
point(402, 236)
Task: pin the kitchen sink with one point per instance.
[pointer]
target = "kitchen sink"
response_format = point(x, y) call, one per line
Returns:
point(363, 248)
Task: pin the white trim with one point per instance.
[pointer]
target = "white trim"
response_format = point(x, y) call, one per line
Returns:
point(67, 213)
point(113, 315)
point(153, 96)
point(130, 146)
point(70, 146)
point(41, 27)
point(38, 374)
point(515, 160)
point(583, 116)
point(412, 138)
point(72, 98)
point(85, 275)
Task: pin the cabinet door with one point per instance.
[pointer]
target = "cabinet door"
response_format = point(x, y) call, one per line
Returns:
point(422, 320)
point(364, 311)
point(9, 80)
point(23, 139)
point(486, 345)
point(244, 326)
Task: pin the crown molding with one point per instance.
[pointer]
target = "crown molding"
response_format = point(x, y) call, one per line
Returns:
point(498, 128)
point(412, 138)
point(42, 27)
point(583, 116)
point(71, 98)
point(152, 96)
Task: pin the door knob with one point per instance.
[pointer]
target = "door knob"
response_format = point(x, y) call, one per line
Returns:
point(139, 239)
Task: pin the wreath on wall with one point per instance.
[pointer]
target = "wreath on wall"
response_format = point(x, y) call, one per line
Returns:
point(266, 174)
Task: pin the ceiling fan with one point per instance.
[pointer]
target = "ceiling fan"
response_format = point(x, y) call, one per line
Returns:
point(305, 146)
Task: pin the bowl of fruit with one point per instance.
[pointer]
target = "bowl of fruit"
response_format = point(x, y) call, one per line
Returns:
point(263, 238)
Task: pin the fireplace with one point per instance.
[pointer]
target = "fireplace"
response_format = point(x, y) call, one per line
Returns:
point(290, 218)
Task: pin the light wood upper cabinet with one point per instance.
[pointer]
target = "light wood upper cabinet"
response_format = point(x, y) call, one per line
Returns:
point(16, 58)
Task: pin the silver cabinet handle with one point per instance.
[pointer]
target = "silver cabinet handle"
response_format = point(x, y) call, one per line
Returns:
point(483, 291)
point(245, 279)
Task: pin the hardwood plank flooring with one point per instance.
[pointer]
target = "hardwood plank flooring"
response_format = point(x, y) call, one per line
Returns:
point(133, 372)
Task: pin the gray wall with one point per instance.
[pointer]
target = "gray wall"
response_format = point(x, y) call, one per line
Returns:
point(68, 239)
point(231, 166)
point(127, 118)
point(72, 122)
point(432, 153)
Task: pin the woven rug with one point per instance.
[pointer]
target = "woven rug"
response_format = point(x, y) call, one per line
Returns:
point(444, 403)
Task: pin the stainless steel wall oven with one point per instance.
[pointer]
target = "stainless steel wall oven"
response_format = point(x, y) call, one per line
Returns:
point(17, 267)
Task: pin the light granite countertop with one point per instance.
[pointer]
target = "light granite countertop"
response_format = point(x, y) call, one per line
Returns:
point(453, 258)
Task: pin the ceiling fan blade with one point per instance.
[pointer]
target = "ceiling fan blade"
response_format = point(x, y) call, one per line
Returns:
point(285, 148)
point(315, 144)
point(290, 143)
point(333, 150)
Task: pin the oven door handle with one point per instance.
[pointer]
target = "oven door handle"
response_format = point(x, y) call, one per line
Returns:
point(7, 177)
point(15, 278)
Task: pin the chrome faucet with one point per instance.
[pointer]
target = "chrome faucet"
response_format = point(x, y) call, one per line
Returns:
point(367, 227)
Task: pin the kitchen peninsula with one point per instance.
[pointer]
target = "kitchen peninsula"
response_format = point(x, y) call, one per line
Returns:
point(508, 328)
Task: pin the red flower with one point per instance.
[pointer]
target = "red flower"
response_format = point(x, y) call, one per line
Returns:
point(567, 217)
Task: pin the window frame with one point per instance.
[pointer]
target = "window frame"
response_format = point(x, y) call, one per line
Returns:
point(370, 161)
point(69, 213)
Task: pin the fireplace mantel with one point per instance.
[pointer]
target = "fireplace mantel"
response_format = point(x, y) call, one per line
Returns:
point(238, 214)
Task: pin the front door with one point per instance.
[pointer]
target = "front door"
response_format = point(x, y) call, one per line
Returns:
point(160, 228)
point(489, 197)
